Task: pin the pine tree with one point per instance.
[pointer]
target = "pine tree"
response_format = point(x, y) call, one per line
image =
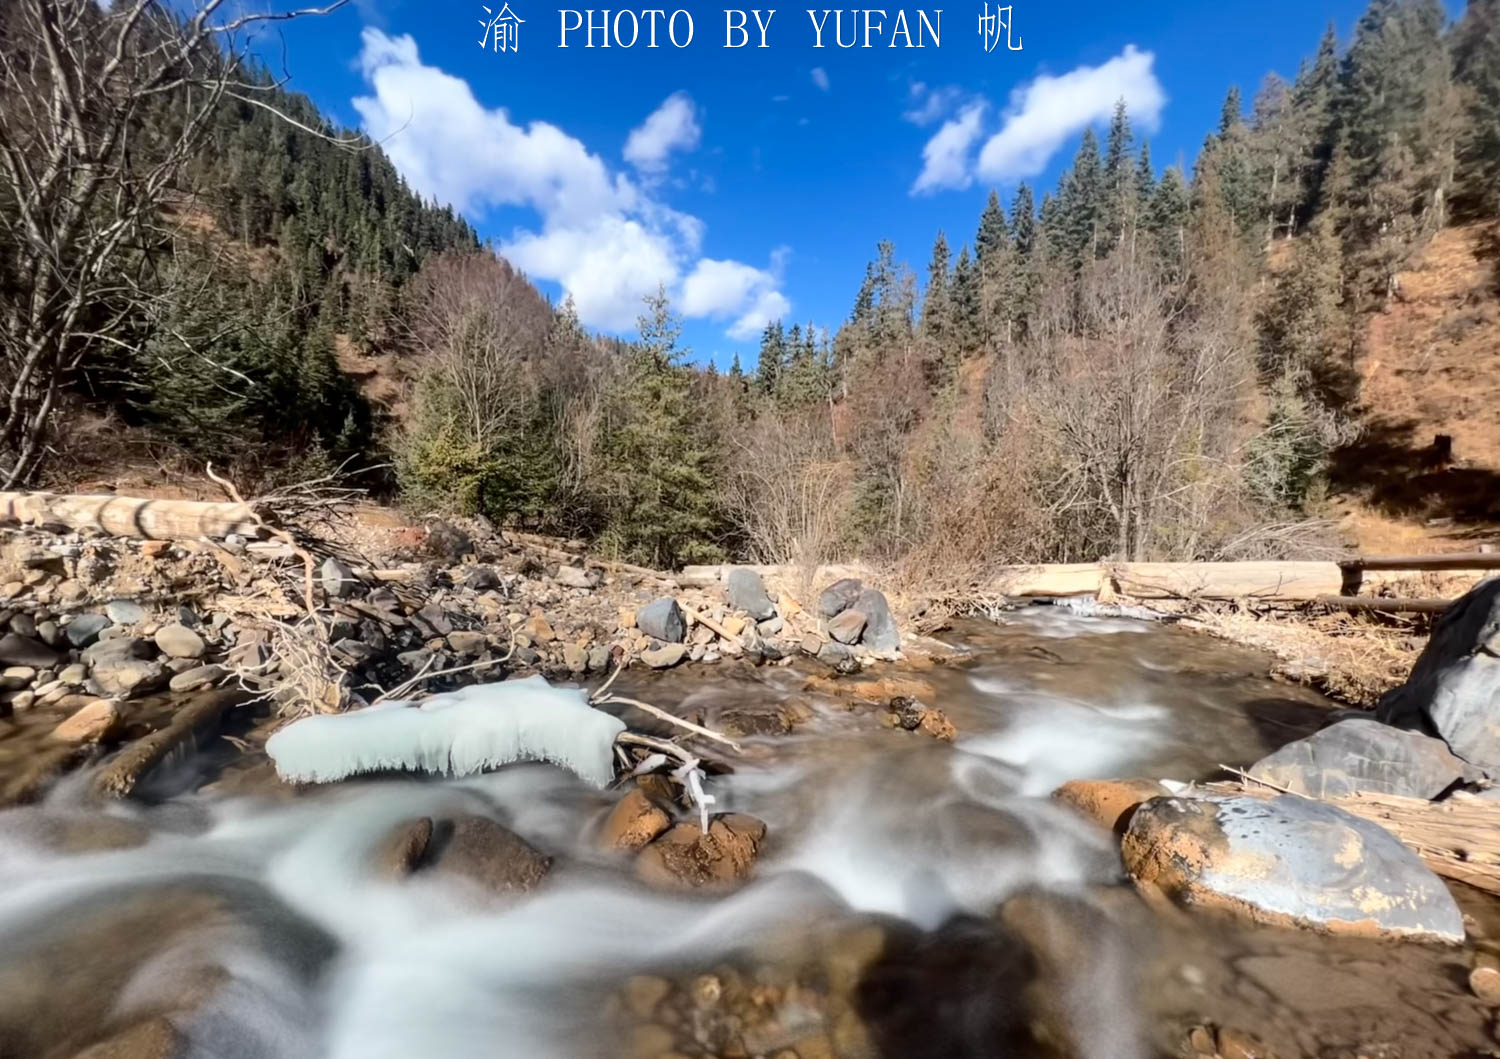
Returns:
point(939, 355)
point(772, 357)
point(968, 296)
point(1230, 152)
point(1167, 220)
point(1119, 178)
point(1080, 204)
point(1475, 46)
point(662, 508)
point(1145, 182)
point(1025, 285)
point(1313, 98)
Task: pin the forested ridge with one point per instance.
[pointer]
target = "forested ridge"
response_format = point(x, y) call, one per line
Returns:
point(1139, 362)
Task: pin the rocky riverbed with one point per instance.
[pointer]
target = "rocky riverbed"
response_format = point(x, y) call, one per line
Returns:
point(1006, 842)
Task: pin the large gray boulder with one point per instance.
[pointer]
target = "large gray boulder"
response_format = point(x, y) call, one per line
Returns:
point(881, 632)
point(663, 619)
point(1453, 690)
point(1289, 861)
point(747, 592)
point(1363, 755)
point(839, 597)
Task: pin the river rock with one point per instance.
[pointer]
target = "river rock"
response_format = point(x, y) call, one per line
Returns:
point(337, 579)
point(447, 542)
point(1288, 860)
point(467, 642)
point(84, 630)
point(178, 641)
point(197, 678)
point(123, 667)
point(663, 619)
point(1453, 690)
point(481, 851)
point(575, 577)
point(481, 579)
point(1109, 803)
point(156, 1038)
point(684, 858)
point(881, 632)
point(747, 592)
point(89, 724)
point(400, 852)
point(18, 650)
point(1363, 755)
point(664, 657)
point(14, 678)
point(124, 611)
point(839, 597)
point(847, 625)
point(633, 822)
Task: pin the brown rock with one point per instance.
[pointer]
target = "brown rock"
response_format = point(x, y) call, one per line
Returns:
point(479, 850)
point(155, 1038)
point(686, 859)
point(1236, 1044)
point(1485, 982)
point(539, 629)
point(1201, 1041)
point(403, 847)
point(633, 822)
point(846, 627)
point(1109, 803)
point(90, 724)
point(642, 992)
point(935, 723)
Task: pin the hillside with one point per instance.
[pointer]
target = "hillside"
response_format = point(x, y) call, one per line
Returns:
point(1428, 371)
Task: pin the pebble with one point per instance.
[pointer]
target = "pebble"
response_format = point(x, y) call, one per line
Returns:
point(196, 679)
point(1485, 982)
point(125, 611)
point(89, 724)
point(14, 678)
point(178, 641)
point(74, 674)
point(23, 625)
point(83, 630)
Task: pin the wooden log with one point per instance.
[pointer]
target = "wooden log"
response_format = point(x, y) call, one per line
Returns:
point(1451, 561)
point(126, 516)
point(190, 725)
point(1248, 580)
point(1385, 604)
point(1050, 580)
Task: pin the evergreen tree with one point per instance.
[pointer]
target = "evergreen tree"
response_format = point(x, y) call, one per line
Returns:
point(1025, 285)
point(1119, 178)
point(939, 354)
point(1080, 204)
point(1167, 220)
point(968, 297)
point(1313, 99)
point(1475, 46)
point(772, 356)
point(1230, 152)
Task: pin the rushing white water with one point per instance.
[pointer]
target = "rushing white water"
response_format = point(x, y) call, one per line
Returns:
point(321, 956)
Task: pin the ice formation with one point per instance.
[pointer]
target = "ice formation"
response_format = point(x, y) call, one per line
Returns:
point(454, 733)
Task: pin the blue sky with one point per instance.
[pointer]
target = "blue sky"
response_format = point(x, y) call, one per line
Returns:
point(755, 182)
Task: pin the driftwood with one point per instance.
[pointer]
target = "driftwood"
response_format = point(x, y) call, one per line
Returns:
point(125, 516)
point(190, 724)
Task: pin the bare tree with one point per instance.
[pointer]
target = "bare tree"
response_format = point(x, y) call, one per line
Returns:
point(84, 178)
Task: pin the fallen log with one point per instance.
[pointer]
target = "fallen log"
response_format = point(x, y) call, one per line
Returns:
point(1387, 605)
point(1247, 580)
point(1449, 561)
point(198, 719)
point(126, 516)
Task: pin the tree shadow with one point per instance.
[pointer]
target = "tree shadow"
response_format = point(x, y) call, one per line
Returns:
point(1402, 474)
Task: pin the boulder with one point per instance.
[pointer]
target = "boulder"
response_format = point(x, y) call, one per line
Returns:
point(664, 657)
point(633, 822)
point(575, 577)
point(178, 641)
point(89, 724)
point(18, 650)
point(663, 619)
point(747, 592)
point(1290, 861)
point(686, 859)
point(839, 597)
point(1109, 803)
point(481, 579)
point(447, 542)
point(1453, 690)
point(337, 579)
point(847, 625)
point(123, 667)
point(1363, 755)
point(400, 852)
point(481, 851)
point(881, 633)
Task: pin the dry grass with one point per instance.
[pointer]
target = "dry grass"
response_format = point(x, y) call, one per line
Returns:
point(1351, 657)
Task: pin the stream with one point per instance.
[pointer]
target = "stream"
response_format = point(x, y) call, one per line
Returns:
point(912, 898)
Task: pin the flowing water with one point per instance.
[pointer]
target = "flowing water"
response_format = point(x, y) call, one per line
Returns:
point(257, 922)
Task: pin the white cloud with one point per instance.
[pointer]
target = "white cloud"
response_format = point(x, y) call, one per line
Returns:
point(673, 126)
point(603, 237)
point(929, 104)
point(1043, 114)
point(946, 158)
point(820, 78)
point(723, 289)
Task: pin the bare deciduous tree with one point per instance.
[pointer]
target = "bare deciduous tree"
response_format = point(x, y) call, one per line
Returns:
point(101, 107)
